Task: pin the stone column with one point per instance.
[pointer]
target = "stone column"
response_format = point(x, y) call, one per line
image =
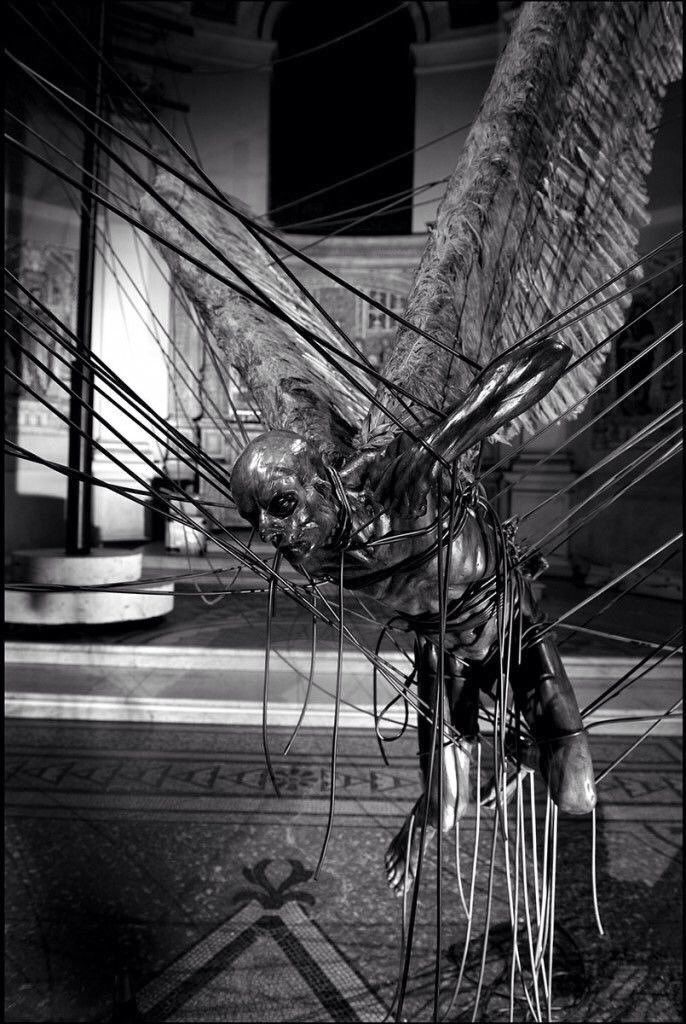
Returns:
point(130, 318)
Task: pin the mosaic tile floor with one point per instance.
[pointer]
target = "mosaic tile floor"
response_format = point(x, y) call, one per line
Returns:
point(162, 854)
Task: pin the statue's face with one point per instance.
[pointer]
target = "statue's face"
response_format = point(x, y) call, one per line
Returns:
point(281, 487)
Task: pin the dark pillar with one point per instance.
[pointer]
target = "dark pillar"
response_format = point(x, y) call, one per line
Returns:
point(78, 536)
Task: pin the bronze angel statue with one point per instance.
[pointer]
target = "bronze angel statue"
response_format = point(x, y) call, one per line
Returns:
point(376, 477)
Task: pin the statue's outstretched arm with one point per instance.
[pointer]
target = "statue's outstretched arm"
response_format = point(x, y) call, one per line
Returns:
point(507, 387)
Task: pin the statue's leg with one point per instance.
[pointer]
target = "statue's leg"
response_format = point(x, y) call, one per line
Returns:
point(446, 788)
point(546, 698)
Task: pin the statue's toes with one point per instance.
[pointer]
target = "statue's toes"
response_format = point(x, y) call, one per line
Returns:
point(568, 770)
point(391, 862)
point(395, 864)
point(394, 875)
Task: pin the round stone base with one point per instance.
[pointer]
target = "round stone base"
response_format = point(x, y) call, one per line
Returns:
point(96, 607)
point(102, 567)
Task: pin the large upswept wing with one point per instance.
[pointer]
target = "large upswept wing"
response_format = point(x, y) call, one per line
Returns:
point(291, 383)
point(544, 205)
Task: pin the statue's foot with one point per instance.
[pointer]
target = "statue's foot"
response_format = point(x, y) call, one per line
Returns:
point(402, 854)
point(568, 770)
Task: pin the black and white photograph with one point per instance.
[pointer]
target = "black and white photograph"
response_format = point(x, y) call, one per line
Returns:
point(343, 511)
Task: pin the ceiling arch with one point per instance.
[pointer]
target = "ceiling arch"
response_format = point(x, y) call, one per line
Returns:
point(258, 20)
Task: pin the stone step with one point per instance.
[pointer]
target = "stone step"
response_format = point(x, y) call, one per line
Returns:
point(224, 685)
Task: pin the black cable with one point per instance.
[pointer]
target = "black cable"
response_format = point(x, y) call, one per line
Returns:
point(405, 193)
point(43, 366)
point(610, 501)
point(195, 454)
point(116, 382)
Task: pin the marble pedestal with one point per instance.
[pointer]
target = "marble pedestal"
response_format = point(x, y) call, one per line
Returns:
point(110, 567)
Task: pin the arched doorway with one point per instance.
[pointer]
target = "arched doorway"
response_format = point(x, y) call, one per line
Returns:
point(339, 110)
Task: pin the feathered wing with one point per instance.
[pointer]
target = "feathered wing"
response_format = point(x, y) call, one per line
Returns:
point(545, 202)
point(293, 387)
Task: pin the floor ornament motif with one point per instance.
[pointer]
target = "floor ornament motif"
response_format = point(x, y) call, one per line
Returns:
point(268, 955)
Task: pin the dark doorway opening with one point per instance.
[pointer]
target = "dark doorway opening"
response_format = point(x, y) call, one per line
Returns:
point(336, 112)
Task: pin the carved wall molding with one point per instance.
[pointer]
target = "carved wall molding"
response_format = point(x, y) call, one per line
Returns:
point(48, 271)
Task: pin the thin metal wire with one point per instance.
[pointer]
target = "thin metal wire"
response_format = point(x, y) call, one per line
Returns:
point(612, 583)
point(551, 929)
point(404, 193)
point(487, 922)
point(635, 673)
point(127, 412)
point(265, 681)
point(596, 291)
point(18, 452)
point(390, 207)
point(602, 722)
point(194, 459)
point(385, 211)
point(608, 483)
point(632, 641)
point(48, 143)
point(320, 345)
point(236, 546)
point(527, 909)
point(310, 680)
point(472, 888)
point(594, 879)
point(669, 454)
point(337, 706)
point(218, 423)
point(97, 445)
point(659, 422)
point(609, 604)
point(368, 170)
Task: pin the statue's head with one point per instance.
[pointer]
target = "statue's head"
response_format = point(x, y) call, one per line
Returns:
point(281, 486)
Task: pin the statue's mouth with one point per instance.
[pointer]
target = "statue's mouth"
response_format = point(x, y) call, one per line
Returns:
point(296, 549)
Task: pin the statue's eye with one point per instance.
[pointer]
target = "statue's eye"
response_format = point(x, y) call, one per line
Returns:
point(283, 505)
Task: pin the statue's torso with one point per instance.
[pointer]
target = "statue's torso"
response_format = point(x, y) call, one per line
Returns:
point(395, 561)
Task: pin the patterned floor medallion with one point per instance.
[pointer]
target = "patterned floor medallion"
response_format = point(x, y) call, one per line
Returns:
point(269, 947)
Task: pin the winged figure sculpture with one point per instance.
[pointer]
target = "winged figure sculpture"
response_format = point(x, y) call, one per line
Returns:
point(377, 479)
